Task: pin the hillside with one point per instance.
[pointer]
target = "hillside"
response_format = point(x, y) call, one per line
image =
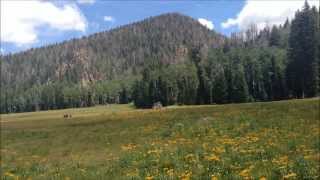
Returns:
point(110, 54)
point(273, 140)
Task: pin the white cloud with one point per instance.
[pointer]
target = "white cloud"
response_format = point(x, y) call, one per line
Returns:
point(21, 20)
point(108, 18)
point(206, 23)
point(266, 12)
point(2, 51)
point(86, 1)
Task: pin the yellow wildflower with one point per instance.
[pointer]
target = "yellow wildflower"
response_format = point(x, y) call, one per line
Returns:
point(282, 161)
point(213, 177)
point(205, 145)
point(170, 172)
point(172, 141)
point(228, 141)
point(149, 178)
point(128, 147)
point(212, 157)
point(263, 178)
point(190, 158)
point(218, 150)
point(291, 175)
point(186, 175)
point(246, 172)
point(9, 174)
point(154, 151)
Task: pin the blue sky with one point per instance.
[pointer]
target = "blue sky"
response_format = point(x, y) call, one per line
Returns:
point(51, 22)
point(131, 11)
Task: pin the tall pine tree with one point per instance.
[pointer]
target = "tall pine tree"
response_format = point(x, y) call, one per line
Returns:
point(302, 71)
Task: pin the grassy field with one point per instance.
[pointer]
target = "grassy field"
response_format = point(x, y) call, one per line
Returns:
point(275, 140)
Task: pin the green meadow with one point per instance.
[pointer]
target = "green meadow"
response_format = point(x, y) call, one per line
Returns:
point(271, 140)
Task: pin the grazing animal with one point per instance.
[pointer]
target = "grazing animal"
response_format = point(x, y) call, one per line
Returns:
point(66, 116)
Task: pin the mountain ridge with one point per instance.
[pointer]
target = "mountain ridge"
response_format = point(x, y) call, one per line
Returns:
point(107, 31)
point(104, 55)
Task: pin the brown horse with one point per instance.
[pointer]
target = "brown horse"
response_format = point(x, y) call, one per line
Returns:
point(66, 116)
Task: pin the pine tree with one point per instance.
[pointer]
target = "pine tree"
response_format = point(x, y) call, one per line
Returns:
point(302, 71)
point(286, 24)
point(277, 85)
point(239, 86)
point(274, 37)
point(219, 90)
point(124, 99)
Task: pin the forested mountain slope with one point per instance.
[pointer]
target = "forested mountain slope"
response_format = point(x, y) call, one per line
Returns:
point(107, 55)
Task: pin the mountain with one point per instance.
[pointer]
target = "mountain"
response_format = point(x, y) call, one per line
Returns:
point(108, 55)
point(171, 59)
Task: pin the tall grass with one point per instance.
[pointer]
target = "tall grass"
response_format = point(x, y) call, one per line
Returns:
point(275, 140)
